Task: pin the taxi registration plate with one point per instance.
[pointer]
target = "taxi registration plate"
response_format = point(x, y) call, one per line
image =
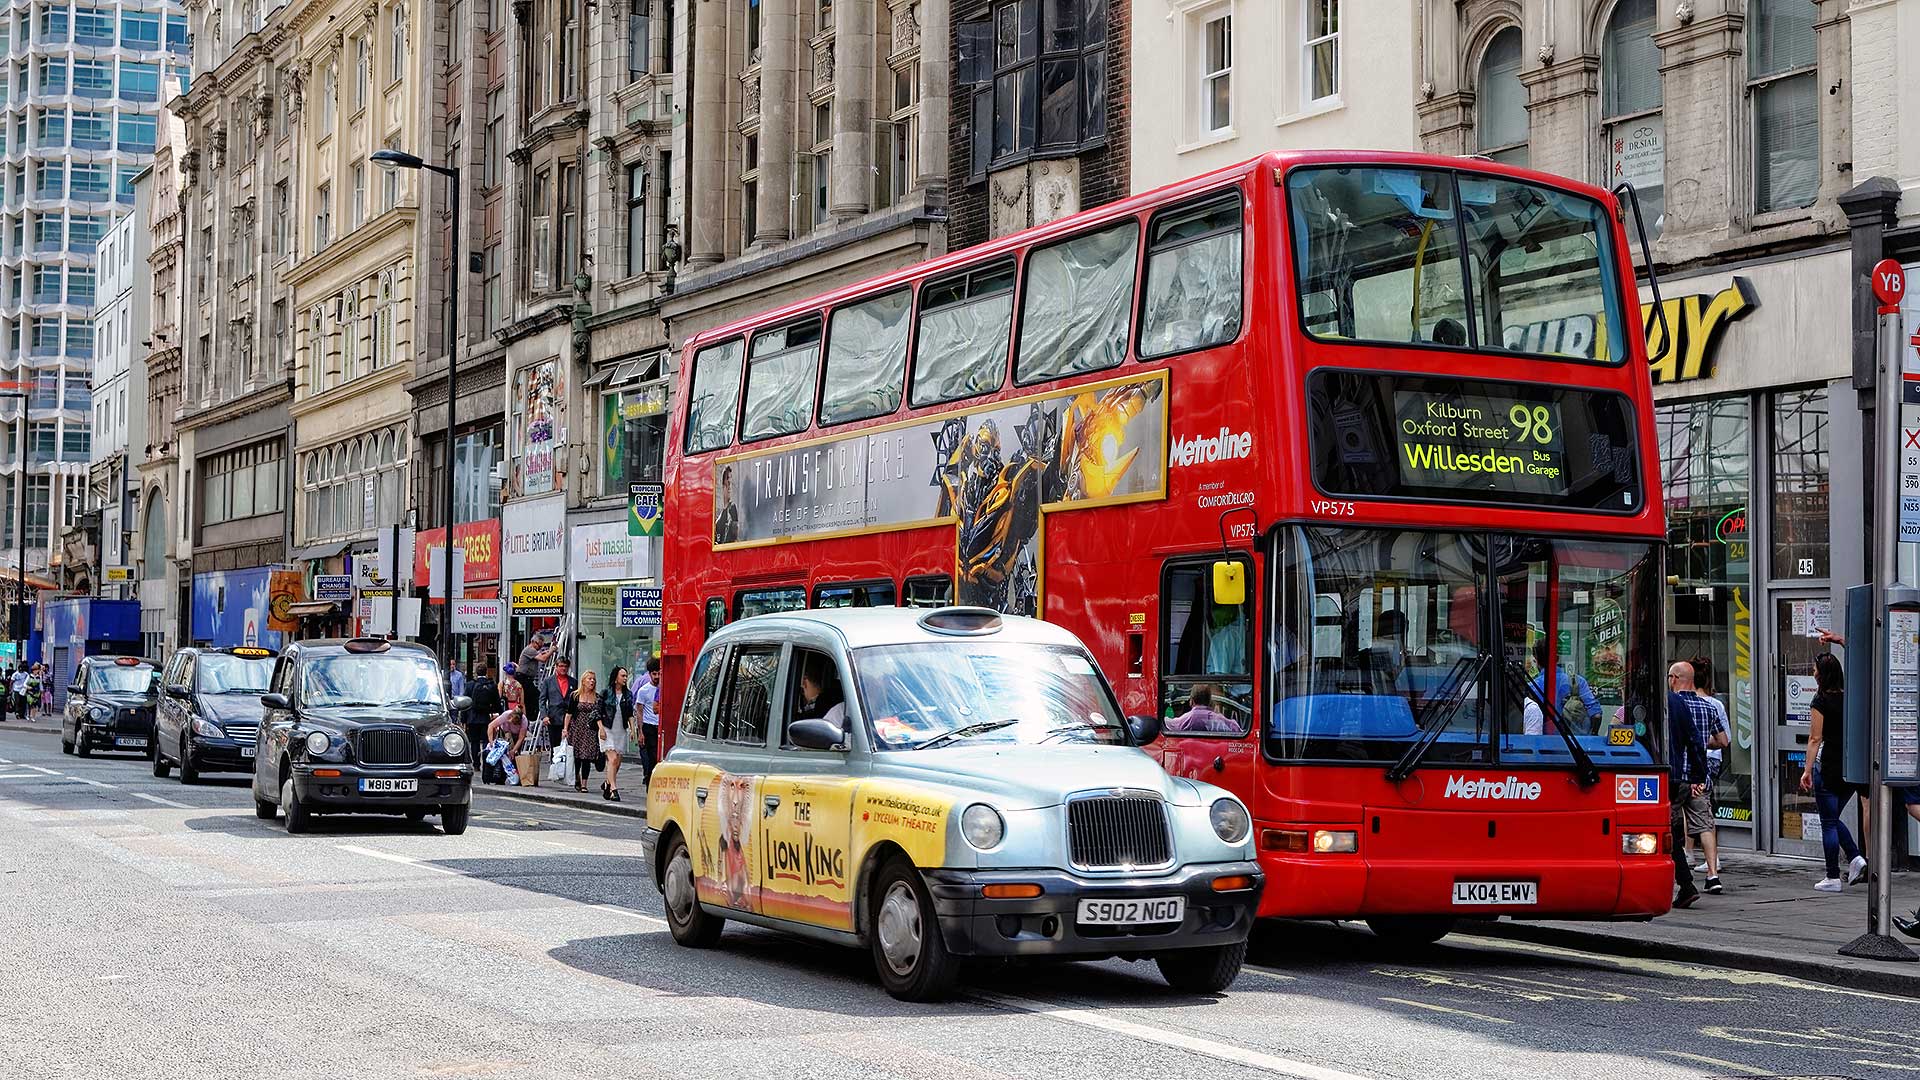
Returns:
point(1164, 909)
point(132, 741)
point(387, 785)
point(1496, 893)
point(246, 751)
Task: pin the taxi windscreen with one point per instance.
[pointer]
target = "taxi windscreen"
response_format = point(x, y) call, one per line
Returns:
point(925, 696)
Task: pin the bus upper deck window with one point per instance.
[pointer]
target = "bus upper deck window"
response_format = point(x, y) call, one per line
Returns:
point(866, 358)
point(1077, 304)
point(715, 397)
point(965, 323)
point(781, 369)
point(1383, 248)
point(1194, 275)
point(1543, 270)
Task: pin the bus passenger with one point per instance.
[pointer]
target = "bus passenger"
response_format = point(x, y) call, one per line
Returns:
point(1565, 685)
point(1200, 714)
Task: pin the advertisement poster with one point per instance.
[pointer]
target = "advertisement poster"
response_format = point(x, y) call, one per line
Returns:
point(230, 606)
point(541, 394)
point(539, 597)
point(284, 589)
point(1607, 652)
point(639, 606)
point(644, 517)
point(604, 551)
point(533, 538)
point(335, 587)
point(478, 541)
point(1637, 150)
point(992, 472)
point(478, 616)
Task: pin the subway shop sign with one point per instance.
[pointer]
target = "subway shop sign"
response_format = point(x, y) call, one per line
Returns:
point(1683, 348)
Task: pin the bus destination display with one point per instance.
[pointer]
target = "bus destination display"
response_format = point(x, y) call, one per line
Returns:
point(1487, 442)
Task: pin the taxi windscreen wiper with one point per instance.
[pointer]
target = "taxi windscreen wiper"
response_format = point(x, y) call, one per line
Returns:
point(1437, 712)
point(1587, 771)
point(966, 732)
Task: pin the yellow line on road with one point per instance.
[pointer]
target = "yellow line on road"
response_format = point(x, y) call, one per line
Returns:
point(1674, 968)
point(1721, 1063)
point(1444, 1009)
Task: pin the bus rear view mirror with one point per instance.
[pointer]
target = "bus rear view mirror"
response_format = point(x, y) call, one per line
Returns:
point(1229, 583)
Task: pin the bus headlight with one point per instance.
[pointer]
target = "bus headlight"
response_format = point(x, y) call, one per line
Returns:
point(982, 826)
point(1335, 841)
point(1230, 820)
point(1639, 843)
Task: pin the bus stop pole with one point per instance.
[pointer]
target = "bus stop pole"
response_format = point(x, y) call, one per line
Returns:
point(1877, 943)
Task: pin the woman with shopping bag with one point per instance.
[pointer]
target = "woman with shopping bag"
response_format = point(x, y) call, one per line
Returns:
point(506, 734)
point(580, 728)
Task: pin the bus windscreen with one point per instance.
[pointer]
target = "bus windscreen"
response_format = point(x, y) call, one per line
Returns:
point(1383, 436)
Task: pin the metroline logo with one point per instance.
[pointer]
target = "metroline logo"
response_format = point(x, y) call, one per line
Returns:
point(1459, 787)
point(1199, 449)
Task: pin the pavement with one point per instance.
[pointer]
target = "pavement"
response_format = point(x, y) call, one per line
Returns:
point(533, 947)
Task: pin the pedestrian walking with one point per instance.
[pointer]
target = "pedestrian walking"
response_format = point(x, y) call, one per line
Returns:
point(6, 693)
point(647, 697)
point(486, 706)
point(1711, 718)
point(17, 689)
point(1824, 775)
point(581, 713)
point(616, 722)
point(1687, 772)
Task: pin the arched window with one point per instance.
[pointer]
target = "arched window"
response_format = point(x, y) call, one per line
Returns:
point(397, 61)
point(154, 559)
point(1630, 97)
point(387, 452)
point(1502, 119)
point(1783, 82)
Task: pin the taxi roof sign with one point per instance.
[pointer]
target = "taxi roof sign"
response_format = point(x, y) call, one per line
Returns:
point(127, 661)
point(963, 621)
point(367, 645)
point(251, 650)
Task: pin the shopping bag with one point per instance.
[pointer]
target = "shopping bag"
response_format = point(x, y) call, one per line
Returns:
point(496, 751)
point(528, 766)
point(512, 776)
point(562, 763)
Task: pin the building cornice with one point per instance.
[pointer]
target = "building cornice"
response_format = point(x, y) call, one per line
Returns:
point(266, 397)
point(367, 238)
point(391, 375)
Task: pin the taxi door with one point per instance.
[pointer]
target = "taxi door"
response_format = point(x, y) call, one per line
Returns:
point(1206, 676)
point(806, 803)
point(727, 791)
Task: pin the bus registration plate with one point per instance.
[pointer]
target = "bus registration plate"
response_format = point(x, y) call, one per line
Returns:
point(1132, 912)
point(1501, 893)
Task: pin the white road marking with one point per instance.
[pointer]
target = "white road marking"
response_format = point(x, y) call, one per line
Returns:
point(1744, 1070)
point(38, 769)
point(609, 908)
point(158, 799)
point(401, 859)
point(1444, 1009)
point(1886, 1065)
point(1239, 1055)
point(95, 783)
point(19, 776)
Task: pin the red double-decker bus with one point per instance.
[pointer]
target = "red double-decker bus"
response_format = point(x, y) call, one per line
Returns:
point(1342, 464)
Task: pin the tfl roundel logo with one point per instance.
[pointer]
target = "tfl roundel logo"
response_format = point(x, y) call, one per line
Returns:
point(1636, 789)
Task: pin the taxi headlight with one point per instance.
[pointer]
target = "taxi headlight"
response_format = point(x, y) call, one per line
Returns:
point(1230, 820)
point(207, 729)
point(99, 714)
point(982, 826)
point(318, 742)
point(453, 744)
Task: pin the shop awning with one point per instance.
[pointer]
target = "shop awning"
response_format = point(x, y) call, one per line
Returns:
point(306, 608)
point(320, 551)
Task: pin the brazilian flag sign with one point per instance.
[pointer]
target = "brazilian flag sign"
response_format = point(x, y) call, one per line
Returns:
point(643, 510)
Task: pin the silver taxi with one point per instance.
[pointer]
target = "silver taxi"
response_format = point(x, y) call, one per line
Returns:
point(940, 784)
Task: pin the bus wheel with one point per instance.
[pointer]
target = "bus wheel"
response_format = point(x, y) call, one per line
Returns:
point(1411, 929)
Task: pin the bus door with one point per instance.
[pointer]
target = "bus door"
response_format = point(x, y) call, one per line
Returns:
point(1206, 674)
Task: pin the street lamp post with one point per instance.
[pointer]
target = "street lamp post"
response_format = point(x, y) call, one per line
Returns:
point(18, 390)
point(397, 159)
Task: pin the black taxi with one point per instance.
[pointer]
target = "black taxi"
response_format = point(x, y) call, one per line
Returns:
point(361, 726)
point(208, 716)
point(109, 706)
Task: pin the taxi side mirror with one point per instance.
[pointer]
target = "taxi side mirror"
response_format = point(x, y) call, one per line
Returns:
point(1144, 729)
point(1229, 583)
point(815, 734)
point(275, 701)
point(180, 692)
point(460, 703)
point(73, 687)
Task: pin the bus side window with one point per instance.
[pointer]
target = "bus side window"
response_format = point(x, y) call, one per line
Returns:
point(866, 369)
point(716, 614)
point(781, 369)
point(854, 594)
point(929, 592)
point(1206, 653)
point(751, 602)
point(1193, 288)
point(1077, 304)
point(965, 323)
point(715, 397)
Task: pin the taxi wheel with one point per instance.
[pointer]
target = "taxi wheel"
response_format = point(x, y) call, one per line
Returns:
point(161, 766)
point(692, 926)
point(188, 774)
point(291, 805)
point(80, 744)
point(263, 809)
point(1202, 971)
point(417, 814)
point(908, 952)
point(453, 819)
point(1415, 930)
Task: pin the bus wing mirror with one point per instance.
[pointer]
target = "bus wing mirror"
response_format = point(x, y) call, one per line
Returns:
point(1229, 583)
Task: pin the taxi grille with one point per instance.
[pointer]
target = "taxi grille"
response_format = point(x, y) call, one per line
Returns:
point(1107, 832)
point(133, 720)
point(387, 746)
point(244, 733)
